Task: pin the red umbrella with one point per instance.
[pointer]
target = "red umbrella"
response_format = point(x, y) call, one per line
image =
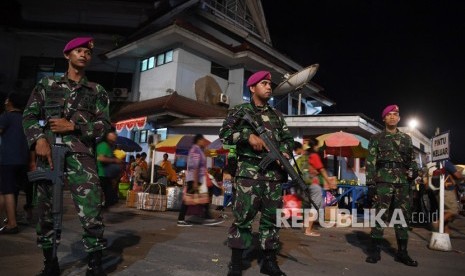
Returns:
point(338, 139)
point(356, 152)
point(342, 144)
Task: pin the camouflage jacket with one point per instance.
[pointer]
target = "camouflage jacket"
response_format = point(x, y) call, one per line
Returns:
point(236, 131)
point(91, 113)
point(385, 147)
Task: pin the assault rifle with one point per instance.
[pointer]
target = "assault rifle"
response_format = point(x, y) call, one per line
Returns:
point(275, 154)
point(54, 177)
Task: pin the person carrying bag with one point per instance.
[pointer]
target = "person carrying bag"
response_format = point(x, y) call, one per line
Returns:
point(196, 191)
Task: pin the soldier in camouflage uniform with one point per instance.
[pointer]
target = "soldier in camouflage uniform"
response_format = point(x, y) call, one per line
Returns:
point(79, 114)
point(390, 166)
point(256, 190)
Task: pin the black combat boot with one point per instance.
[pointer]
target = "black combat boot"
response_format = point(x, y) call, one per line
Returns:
point(374, 251)
point(402, 255)
point(270, 264)
point(235, 266)
point(51, 266)
point(94, 266)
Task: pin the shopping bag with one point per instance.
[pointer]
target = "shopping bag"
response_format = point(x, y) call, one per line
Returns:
point(292, 205)
point(151, 202)
point(196, 198)
point(154, 188)
point(330, 199)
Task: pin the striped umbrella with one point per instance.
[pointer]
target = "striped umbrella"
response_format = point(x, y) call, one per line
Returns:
point(178, 144)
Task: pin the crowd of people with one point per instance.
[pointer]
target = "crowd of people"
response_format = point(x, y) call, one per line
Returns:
point(93, 172)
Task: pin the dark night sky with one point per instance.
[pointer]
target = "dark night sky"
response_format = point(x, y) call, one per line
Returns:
point(376, 53)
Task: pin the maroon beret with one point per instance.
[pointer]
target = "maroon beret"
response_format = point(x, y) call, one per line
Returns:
point(389, 108)
point(86, 42)
point(257, 77)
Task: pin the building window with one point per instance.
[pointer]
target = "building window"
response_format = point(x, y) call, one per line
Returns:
point(156, 60)
point(151, 63)
point(160, 59)
point(143, 136)
point(169, 56)
point(135, 135)
point(163, 132)
point(144, 65)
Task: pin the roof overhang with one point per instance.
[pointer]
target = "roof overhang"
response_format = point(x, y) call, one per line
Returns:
point(304, 125)
point(168, 108)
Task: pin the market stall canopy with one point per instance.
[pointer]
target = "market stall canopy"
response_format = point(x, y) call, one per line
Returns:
point(215, 148)
point(354, 151)
point(343, 144)
point(176, 144)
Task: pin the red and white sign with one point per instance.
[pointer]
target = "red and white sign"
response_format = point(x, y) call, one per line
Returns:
point(131, 123)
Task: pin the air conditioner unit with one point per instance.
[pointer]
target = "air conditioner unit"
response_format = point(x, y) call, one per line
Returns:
point(119, 92)
point(223, 99)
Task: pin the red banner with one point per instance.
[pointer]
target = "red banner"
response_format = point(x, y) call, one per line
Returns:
point(131, 123)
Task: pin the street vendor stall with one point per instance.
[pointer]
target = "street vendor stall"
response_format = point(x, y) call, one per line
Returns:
point(350, 196)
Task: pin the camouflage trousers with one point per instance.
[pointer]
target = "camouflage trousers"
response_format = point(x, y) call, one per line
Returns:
point(86, 193)
point(253, 196)
point(389, 197)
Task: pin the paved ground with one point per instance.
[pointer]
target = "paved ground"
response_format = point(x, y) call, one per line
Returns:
point(150, 243)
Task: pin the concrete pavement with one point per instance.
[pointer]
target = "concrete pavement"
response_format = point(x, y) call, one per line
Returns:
point(150, 243)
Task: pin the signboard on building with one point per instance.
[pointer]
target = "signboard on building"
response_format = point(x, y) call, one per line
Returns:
point(440, 147)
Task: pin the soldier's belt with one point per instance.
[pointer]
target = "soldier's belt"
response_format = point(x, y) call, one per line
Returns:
point(389, 165)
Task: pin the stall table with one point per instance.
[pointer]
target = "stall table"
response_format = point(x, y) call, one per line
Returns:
point(353, 193)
